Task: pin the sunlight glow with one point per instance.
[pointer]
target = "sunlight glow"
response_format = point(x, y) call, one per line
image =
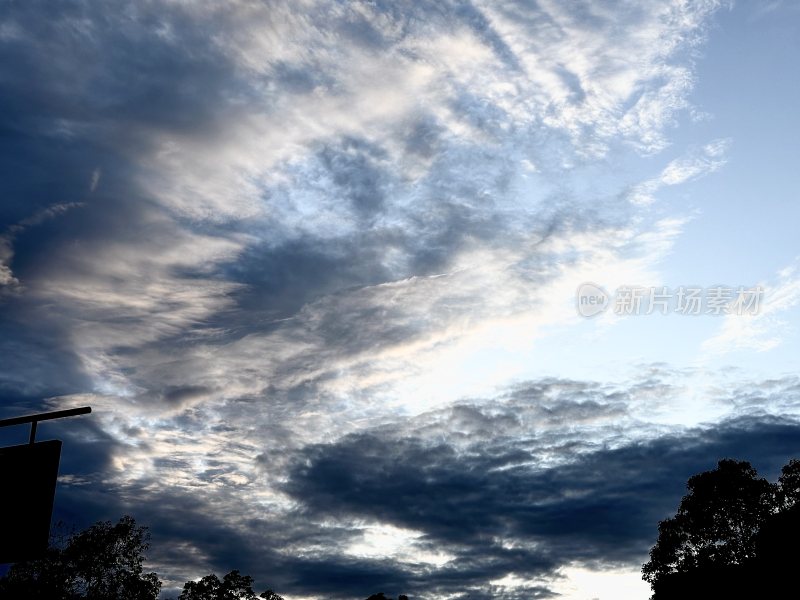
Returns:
point(586, 584)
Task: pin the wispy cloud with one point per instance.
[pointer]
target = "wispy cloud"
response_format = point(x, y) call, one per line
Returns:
point(707, 159)
point(765, 329)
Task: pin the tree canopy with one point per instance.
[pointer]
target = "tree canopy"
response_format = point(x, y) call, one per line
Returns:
point(233, 586)
point(725, 533)
point(103, 562)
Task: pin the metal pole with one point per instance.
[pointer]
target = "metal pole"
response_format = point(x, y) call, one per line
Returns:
point(34, 419)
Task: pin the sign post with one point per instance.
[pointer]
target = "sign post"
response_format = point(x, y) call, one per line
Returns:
point(28, 475)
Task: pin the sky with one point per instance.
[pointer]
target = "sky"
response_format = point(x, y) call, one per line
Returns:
point(316, 267)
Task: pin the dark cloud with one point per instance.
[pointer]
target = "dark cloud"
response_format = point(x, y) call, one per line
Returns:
point(37, 358)
point(107, 67)
point(512, 486)
point(463, 477)
point(600, 507)
point(182, 395)
point(352, 166)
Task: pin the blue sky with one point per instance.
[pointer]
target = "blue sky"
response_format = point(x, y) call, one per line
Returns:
point(314, 266)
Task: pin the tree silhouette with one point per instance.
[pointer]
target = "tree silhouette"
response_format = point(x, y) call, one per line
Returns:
point(103, 562)
point(789, 484)
point(728, 537)
point(716, 522)
point(234, 586)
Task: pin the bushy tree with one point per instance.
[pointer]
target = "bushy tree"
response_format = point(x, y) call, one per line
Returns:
point(716, 522)
point(728, 536)
point(789, 484)
point(233, 586)
point(103, 562)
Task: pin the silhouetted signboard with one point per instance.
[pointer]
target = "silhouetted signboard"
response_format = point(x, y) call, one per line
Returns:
point(28, 476)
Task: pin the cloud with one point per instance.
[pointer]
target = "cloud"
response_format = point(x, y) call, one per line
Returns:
point(6, 276)
point(549, 474)
point(760, 327)
point(508, 506)
point(250, 235)
point(321, 165)
point(96, 174)
point(7, 279)
point(707, 159)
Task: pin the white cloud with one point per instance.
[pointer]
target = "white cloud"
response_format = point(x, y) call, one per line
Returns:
point(380, 541)
point(595, 79)
point(609, 584)
point(96, 174)
point(7, 278)
point(767, 328)
point(707, 159)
